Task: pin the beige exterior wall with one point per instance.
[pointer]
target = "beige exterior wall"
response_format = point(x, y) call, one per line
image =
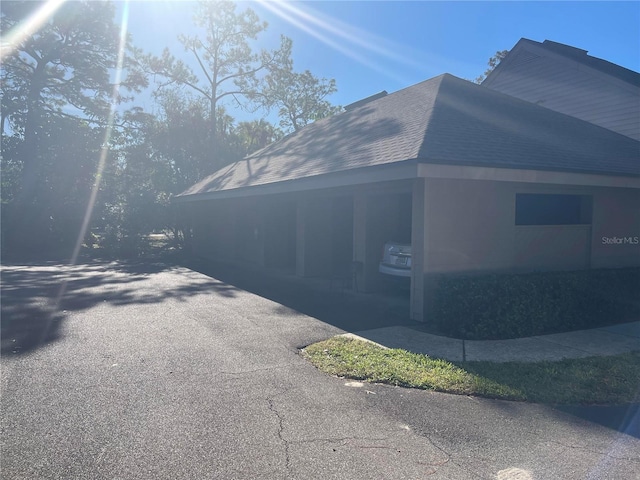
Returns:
point(615, 238)
point(470, 227)
point(419, 246)
point(551, 247)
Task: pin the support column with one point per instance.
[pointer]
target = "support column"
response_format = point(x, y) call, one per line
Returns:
point(418, 251)
point(360, 237)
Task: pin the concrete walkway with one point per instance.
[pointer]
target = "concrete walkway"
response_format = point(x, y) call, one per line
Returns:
point(612, 340)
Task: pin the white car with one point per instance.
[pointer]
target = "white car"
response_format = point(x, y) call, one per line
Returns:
point(396, 259)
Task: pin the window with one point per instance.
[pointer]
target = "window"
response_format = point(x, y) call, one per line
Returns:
point(539, 209)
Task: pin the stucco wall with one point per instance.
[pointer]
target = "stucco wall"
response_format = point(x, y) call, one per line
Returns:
point(471, 227)
point(616, 228)
point(551, 247)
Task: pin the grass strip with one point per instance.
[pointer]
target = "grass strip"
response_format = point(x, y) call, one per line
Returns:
point(587, 381)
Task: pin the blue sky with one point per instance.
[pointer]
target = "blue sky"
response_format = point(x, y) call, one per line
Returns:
point(371, 46)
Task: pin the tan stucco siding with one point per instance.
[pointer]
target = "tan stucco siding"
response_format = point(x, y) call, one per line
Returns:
point(470, 227)
point(551, 247)
point(616, 228)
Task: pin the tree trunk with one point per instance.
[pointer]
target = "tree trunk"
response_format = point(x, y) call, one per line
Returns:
point(27, 223)
point(214, 133)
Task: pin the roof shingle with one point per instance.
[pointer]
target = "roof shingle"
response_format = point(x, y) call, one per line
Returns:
point(441, 120)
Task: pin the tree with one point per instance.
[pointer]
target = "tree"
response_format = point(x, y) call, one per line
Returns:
point(179, 137)
point(228, 68)
point(255, 135)
point(60, 72)
point(133, 196)
point(299, 97)
point(160, 157)
point(493, 63)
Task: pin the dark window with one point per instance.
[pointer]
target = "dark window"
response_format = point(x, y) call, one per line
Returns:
point(537, 209)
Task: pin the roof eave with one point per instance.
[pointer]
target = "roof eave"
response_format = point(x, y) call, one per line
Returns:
point(403, 170)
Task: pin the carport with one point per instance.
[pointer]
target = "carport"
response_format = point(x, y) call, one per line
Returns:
point(462, 173)
point(328, 233)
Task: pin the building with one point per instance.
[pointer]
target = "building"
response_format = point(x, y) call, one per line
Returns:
point(477, 180)
point(568, 80)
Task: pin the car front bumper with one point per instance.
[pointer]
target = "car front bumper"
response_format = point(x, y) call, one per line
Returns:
point(394, 270)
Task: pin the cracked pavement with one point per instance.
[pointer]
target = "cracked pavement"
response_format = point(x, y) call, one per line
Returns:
point(131, 371)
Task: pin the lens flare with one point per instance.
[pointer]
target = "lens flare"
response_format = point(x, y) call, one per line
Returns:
point(28, 27)
point(107, 136)
point(352, 42)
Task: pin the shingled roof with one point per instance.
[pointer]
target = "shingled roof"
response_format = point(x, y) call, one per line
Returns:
point(583, 57)
point(444, 120)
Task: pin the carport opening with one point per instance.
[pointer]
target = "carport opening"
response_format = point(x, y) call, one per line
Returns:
point(341, 236)
point(248, 233)
point(389, 222)
point(280, 236)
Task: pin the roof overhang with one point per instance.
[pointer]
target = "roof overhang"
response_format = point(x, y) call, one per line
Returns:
point(411, 169)
point(359, 176)
point(469, 172)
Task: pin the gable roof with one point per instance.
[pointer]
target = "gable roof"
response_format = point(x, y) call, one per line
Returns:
point(581, 56)
point(443, 120)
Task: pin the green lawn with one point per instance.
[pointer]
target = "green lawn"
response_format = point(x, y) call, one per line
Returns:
point(595, 380)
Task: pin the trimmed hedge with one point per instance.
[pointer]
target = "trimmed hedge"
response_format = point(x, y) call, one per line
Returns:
point(499, 306)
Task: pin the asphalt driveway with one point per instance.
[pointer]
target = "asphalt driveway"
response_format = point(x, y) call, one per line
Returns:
point(139, 371)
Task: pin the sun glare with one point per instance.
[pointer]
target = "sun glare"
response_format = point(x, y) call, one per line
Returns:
point(107, 136)
point(353, 42)
point(28, 27)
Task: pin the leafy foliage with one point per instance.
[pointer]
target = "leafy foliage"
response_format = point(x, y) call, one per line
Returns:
point(509, 306)
point(66, 138)
point(256, 134)
point(228, 66)
point(493, 62)
point(56, 95)
point(299, 97)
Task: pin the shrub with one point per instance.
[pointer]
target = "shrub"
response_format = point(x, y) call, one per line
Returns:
point(519, 305)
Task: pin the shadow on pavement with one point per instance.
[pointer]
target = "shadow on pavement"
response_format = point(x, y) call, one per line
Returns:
point(318, 298)
point(623, 418)
point(360, 312)
point(37, 298)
